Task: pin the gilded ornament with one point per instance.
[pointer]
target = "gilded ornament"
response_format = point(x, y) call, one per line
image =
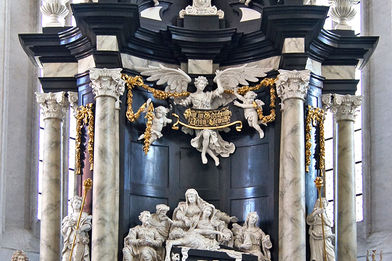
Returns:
point(84, 117)
point(315, 117)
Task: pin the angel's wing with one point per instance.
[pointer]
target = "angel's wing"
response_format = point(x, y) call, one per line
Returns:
point(176, 79)
point(230, 78)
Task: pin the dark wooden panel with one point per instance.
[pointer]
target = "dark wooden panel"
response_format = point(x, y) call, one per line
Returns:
point(153, 168)
point(139, 203)
point(245, 170)
point(194, 174)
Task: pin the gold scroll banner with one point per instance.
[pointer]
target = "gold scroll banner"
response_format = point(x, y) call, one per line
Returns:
point(210, 118)
point(201, 126)
point(84, 117)
point(315, 118)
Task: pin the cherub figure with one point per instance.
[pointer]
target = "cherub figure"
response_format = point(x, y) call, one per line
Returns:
point(19, 255)
point(142, 242)
point(69, 232)
point(207, 141)
point(246, 2)
point(160, 120)
point(250, 104)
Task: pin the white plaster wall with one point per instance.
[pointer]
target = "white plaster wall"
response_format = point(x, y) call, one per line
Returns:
point(18, 130)
point(376, 230)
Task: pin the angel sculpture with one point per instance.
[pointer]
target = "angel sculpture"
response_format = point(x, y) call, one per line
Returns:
point(206, 140)
point(250, 105)
point(160, 120)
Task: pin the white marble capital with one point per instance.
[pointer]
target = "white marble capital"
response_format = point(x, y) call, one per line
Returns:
point(345, 107)
point(73, 102)
point(53, 105)
point(107, 82)
point(292, 84)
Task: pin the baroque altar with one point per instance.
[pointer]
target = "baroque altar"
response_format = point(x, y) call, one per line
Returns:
point(226, 97)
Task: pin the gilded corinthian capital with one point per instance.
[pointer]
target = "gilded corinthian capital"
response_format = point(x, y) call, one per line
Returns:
point(345, 107)
point(107, 82)
point(53, 105)
point(292, 84)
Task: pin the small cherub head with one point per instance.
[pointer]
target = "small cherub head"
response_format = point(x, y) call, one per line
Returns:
point(19, 255)
point(162, 210)
point(250, 95)
point(201, 82)
point(145, 217)
point(160, 112)
point(76, 203)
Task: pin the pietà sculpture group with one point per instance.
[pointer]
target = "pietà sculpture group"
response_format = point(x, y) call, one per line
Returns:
point(195, 224)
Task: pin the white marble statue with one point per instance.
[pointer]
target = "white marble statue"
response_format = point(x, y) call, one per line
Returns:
point(143, 242)
point(162, 223)
point(207, 141)
point(69, 232)
point(159, 121)
point(251, 239)
point(249, 103)
point(186, 215)
point(19, 255)
point(201, 7)
point(246, 2)
point(203, 234)
point(316, 233)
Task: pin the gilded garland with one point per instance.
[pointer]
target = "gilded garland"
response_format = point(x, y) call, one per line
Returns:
point(203, 114)
point(84, 117)
point(315, 118)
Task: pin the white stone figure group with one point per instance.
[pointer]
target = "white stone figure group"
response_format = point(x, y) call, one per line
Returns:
point(19, 255)
point(159, 121)
point(70, 233)
point(249, 238)
point(209, 141)
point(201, 7)
point(196, 224)
point(249, 103)
point(315, 220)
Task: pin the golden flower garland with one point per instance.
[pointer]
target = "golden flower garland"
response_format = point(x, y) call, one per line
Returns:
point(147, 134)
point(84, 116)
point(316, 116)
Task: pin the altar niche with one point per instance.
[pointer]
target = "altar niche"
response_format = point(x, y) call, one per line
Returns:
point(243, 183)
